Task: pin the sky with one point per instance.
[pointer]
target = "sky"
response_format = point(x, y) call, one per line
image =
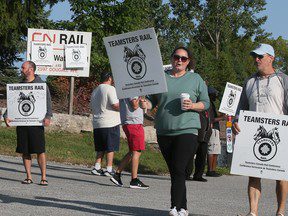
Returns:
point(276, 10)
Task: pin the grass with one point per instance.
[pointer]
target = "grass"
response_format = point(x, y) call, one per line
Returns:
point(79, 149)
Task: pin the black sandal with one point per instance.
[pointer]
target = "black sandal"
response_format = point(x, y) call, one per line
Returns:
point(43, 182)
point(27, 181)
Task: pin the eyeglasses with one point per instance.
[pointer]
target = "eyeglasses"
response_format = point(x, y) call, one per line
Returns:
point(254, 55)
point(178, 58)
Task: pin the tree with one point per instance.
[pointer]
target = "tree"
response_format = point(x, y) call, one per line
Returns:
point(15, 18)
point(111, 17)
point(222, 33)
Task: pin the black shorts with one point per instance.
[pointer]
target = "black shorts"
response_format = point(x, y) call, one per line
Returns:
point(30, 139)
point(107, 139)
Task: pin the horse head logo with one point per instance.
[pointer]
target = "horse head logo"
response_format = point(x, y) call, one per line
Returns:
point(261, 132)
point(274, 135)
point(231, 98)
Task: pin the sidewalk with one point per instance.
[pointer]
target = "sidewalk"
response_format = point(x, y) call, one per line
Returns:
point(73, 191)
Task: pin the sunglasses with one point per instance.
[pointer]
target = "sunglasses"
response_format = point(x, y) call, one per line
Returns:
point(257, 56)
point(178, 58)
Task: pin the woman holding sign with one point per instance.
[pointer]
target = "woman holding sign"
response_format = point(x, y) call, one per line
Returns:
point(177, 122)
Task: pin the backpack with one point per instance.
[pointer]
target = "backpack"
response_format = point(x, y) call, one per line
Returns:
point(205, 132)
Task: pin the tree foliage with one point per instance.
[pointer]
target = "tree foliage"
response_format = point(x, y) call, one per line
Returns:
point(104, 18)
point(220, 33)
point(15, 18)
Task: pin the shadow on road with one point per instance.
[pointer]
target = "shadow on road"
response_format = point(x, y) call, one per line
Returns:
point(86, 207)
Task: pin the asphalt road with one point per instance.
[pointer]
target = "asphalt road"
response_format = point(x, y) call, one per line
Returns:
point(73, 190)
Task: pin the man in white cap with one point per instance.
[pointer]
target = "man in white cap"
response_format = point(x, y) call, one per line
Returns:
point(265, 91)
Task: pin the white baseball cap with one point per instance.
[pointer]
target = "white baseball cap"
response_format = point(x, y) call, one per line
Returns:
point(263, 49)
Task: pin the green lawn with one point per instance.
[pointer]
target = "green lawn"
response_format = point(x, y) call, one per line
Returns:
point(79, 149)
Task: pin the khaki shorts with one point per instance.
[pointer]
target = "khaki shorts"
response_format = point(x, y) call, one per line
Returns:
point(214, 144)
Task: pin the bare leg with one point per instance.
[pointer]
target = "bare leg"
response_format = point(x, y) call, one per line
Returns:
point(281, 192)
point(214, 162)
point(254, 193)
point(99, 156)
point(27, 161)
point(110, 156)
point(41, 158)
point(135, 163)
point(125, 160)
point(210, 162)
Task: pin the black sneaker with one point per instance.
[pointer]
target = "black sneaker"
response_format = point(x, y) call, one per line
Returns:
point(137, 184)
point(98, 172)
point(200, 179)
point(213, 174)
point(116, 179)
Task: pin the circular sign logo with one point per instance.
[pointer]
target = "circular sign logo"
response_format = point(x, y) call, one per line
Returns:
point(265, 149)
point(42, 53)
point(136, 67)
point(26, 107)
point(230, 101)
point(76, 55)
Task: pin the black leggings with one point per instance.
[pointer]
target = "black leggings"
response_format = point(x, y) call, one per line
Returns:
point(177, 151)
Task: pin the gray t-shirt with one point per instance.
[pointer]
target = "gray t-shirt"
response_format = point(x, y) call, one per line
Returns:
point(128, 114)
point(265, 94)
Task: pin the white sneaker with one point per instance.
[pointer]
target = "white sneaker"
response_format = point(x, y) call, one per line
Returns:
point(173, 212)
point(109, 174)
point(98, 172)
point(183, 212)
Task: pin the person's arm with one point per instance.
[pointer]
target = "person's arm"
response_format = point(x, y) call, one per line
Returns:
point(219, 118)
point(6, 119)
point(116, 106)
point(134, 102)
point(203, 102)
point(145, 104)
point(47, 119)
point(189, 105)
point(112, 98)
point(235, 128)
point(243, 105)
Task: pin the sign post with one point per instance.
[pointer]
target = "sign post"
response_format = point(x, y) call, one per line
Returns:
point(229, 104)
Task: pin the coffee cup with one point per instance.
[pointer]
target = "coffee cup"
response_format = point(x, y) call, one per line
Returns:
point(184, 96)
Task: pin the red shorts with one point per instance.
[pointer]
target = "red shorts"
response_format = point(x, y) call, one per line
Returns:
point(135, 136)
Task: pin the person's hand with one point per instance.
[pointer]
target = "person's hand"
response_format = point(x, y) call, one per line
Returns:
point(144, 103)
point(46, 122)
point(188, 104)
point(235, 128)
point(7, 121)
